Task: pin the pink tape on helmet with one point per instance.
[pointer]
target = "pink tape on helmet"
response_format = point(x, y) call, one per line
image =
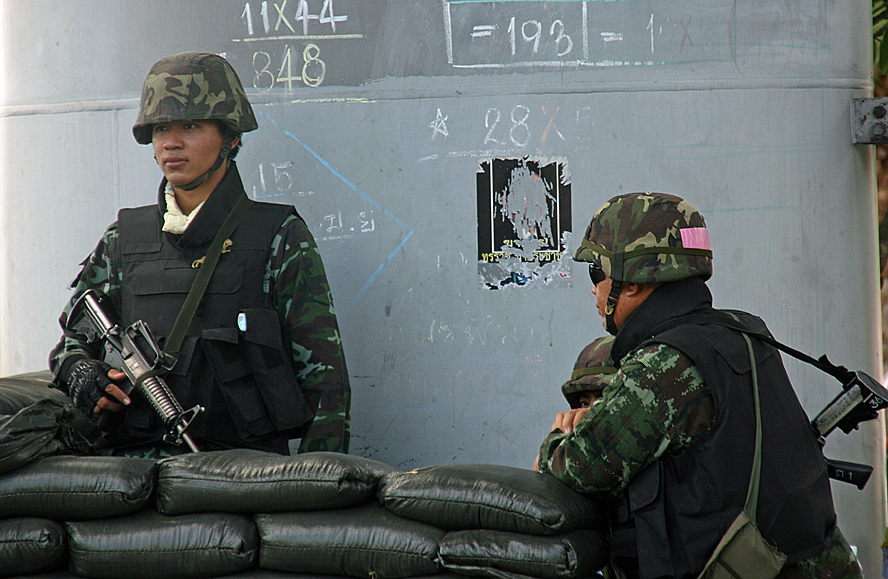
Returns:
point(695, 238)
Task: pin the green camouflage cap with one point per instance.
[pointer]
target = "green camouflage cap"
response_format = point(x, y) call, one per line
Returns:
point(648, 238)
point(591, 372)
point(193, 86)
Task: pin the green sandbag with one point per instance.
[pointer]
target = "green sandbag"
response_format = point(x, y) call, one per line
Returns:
point(74, 488)
point(250, 481)
point(30, 545)
point(22, 390)
point(573, 555)
point(38, 421)
point(500, 498)
point(365, 541)
point(30, 433)
point(149, 545)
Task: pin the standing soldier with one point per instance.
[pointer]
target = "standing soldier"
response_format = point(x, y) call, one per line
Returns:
point(671, 443)
point(263, 354)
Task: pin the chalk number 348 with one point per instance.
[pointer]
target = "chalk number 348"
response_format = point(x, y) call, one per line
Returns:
point(311, 73)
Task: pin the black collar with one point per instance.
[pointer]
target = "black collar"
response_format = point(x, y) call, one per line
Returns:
point(669, 300)
point(214, 211)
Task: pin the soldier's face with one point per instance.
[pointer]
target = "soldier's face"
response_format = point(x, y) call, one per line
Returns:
point(185, 150)
point(631, 296)
point(601, 291)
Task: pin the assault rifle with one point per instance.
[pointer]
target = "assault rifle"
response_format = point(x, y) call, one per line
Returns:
point(860, 400)
point(134, 351)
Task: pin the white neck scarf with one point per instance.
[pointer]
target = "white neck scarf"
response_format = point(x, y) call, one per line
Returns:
point(174, 221)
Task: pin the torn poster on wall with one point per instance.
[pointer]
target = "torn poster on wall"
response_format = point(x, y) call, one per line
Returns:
point(524, 222)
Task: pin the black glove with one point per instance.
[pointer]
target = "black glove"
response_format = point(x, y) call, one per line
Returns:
point(87, 380)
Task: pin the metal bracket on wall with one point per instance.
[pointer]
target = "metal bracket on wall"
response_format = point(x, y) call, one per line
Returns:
point(869, 121)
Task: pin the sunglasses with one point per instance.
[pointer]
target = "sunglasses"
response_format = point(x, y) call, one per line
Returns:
point(596, 274)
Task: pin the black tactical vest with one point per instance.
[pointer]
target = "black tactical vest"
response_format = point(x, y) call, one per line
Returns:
point(673, 514)
point(244, 379)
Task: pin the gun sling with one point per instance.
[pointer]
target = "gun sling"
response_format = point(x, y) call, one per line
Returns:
point(742, 551)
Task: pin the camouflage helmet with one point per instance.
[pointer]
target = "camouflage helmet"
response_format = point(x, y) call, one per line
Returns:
point(648, 238)
point(193, 86)
point(591, 372)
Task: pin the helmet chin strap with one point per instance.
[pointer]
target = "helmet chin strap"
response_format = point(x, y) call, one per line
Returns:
point(227, 145)
point(616, 286)
point(611, 306)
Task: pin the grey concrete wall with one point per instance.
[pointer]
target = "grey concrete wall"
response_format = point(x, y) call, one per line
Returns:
point(392, 126)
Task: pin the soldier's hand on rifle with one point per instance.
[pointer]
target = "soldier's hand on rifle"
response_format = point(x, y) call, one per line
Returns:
point(91, 385)
point(114, 398)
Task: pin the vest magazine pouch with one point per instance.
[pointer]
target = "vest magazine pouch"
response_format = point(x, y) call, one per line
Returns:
point(255, 375)
point(743, 553)
point(239, 390)
point(640, 519)
point(272, 368)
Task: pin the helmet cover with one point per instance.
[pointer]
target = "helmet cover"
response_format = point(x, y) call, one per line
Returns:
point(592, 371)
point(648, 238)
point(193, 86)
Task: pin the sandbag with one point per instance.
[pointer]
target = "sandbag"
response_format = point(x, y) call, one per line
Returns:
point(250, 481)
point(149, 545)
point(74, 488)
point(30, 433)
point(477, 496)
point(576, 554)
point(21, 390)
point(30, 545)
point(365, 541)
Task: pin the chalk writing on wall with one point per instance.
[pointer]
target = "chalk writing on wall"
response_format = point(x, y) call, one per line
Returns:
point(306, 179)
point(535, 34)
point(576, 34)
point(285, 40)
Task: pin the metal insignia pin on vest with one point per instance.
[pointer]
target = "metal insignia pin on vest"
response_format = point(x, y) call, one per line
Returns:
point(226, 247)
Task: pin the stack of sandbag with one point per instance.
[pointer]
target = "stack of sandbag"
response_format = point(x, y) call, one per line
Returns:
point(195, 515)
point(216, 514)
point(256, 515)
point(38, 500)
point(314, 513)
point(502, 522)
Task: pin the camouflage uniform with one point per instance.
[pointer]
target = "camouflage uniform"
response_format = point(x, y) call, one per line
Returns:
point(195, 86)
point(658, 405)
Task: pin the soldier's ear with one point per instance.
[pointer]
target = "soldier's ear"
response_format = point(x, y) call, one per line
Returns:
point(638, 290)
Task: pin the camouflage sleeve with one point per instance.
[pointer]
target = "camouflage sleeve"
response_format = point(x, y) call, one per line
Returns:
point(656, 402)
point(298, 289)
point(837, 560)
point(99, 273)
